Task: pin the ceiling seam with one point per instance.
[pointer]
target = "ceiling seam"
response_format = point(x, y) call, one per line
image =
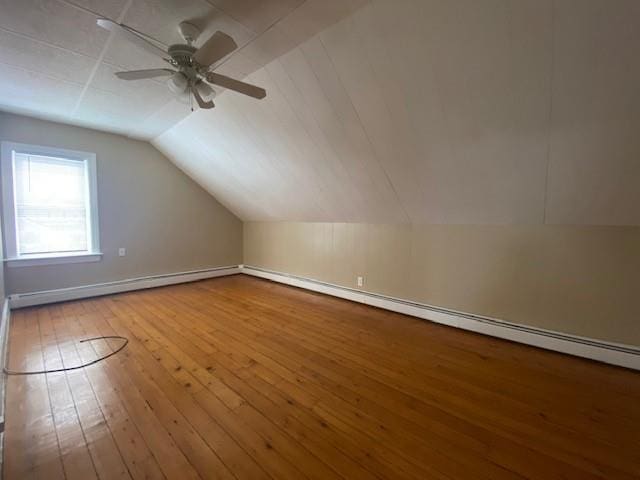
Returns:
point(321, 130)
point(57, 47)
point(95, 68)
point(320, 186)
point(42, 74)
point(373, 149)
point(243, 120)
point(551, 81)
point(155, 112)
point(331, 106)
point(258, 35)
point(82, 8)
point(410, 149)
point(440, 97)
point(43, 42)
point(216, 7)
point(375, 74)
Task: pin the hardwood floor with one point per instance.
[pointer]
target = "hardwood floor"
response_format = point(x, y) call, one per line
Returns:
point(242, 378)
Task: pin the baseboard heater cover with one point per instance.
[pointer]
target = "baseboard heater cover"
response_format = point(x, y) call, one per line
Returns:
point(74, 293)
point(612, 353)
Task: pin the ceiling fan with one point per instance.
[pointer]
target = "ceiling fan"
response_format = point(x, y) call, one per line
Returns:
point(192, 66)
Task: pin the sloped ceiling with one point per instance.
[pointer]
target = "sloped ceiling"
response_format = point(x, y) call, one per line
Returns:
point(424, 111)
point(55, 63)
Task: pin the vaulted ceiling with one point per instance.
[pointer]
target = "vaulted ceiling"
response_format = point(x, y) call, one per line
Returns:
point(491, 111)
point(424, 111)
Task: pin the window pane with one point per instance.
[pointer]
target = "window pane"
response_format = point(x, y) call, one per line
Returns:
point(51, 204)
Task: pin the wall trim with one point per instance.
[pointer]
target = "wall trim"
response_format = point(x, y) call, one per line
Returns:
point(612, 353)
point(4, 338)
point(73, 293)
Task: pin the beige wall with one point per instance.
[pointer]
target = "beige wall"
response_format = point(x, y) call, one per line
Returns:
point(2, 287)
point(484, 156)
point(166, 221)
point(579, 280)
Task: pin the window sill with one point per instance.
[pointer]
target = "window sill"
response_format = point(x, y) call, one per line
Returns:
point(36, 260)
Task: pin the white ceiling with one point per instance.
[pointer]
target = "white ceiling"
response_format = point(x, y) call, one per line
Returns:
point(424, 111)
point(436, 111)
point(55, 62)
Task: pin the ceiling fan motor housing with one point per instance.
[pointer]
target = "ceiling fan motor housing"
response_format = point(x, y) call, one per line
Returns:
point(182, 54)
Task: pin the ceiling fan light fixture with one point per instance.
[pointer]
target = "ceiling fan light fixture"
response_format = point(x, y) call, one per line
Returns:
point(205, 90)
point(178, 83)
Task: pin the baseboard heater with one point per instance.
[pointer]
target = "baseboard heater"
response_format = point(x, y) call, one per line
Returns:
point(613, 353)
point(85, 291)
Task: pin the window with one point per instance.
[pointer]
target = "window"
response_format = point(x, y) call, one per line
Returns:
point(49, 205)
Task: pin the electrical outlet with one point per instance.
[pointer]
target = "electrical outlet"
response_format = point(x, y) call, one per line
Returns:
point(360, 281)
point(122, 252)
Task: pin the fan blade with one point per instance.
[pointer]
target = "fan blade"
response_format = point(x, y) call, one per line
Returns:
point(236, 85)
point(141, 74)
point(218, 46)
point(130, 35)
point(200, 100)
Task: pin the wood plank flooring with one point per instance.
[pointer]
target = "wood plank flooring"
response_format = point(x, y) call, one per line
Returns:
point(240, 378)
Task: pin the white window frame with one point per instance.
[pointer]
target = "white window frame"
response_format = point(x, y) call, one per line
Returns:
point(13, 259)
